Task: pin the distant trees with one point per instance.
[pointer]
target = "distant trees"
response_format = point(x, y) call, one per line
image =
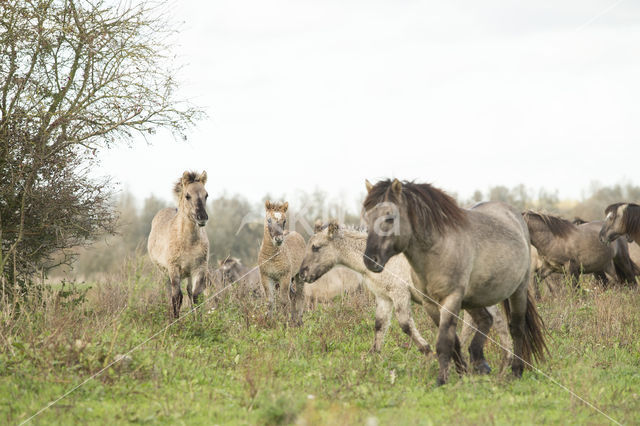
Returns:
point(75, 77)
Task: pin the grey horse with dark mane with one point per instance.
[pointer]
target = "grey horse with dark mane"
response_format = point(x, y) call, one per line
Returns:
point(575, 249)
point(460, 259)
point(621, 219)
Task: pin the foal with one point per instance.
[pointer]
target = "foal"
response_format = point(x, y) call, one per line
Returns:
point(178, 242)
point(280, 256)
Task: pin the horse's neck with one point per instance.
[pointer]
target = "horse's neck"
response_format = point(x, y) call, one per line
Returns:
point(267, 248)
point(542, 239)
point(351, 250)
point(186, 227)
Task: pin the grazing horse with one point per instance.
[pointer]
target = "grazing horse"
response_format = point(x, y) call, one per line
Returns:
point(461, 259)
point(280, 256)
point(334, 245)
point(178, 242)
point(575, 249)
point(621, 219)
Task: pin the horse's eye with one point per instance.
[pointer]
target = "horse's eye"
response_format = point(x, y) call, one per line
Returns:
point(188, 197)
point(315, 248)
point(389, 220)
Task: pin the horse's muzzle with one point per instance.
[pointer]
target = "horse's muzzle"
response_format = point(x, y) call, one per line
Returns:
point(373, 262)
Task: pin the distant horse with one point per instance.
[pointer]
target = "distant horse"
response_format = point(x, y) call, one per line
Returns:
point(575, 249)
point(247, 279)
point(393, 288)
point(280, 257)
point(621, 219)
point(178, 242)
point(461, 259)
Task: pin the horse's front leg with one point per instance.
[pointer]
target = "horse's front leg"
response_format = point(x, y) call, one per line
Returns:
point(447, 344)
point(175, 294)
point(384, 309)
point(283, 292)
point(297, 301)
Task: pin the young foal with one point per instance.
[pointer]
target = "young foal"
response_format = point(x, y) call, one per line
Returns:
point(280, 255)
point(178, 242)
point(622, 219)
point(333, 245)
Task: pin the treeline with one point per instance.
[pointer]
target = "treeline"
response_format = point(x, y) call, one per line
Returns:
point(235, 225)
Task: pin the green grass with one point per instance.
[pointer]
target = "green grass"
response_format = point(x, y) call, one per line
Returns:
point(235, 366)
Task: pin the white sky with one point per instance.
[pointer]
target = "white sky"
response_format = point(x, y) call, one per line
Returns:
point(322, 94)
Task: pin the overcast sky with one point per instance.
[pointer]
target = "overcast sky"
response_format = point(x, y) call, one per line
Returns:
point(322, 94)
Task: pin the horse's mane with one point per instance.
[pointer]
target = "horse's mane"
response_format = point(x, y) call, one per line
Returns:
point(630, 218)
point(558, 226)
point(188, 177)
point(427, 207)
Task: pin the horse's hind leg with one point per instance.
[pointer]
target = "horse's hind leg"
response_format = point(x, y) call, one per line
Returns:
point(483, 320)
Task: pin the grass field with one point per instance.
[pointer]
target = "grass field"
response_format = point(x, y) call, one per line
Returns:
point(234, 366)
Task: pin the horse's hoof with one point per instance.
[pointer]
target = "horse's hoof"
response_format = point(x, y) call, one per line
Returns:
point(482, 367)
point(441, 381)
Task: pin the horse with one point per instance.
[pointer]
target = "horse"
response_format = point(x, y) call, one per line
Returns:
point(247, 279)
point(334, 245)
point(575, 249)
point(621, 219)
point(279, 259)
point(460, 259)
point(178, 242)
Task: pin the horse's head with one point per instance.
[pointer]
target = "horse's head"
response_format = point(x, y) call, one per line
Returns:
point(388, 224)
point(614, 223)
point(192, 196)
point(276, 220)
point(321, 254)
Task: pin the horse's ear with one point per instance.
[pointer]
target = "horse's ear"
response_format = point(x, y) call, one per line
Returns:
point(267, 205)
point(317, 227)
point(285, 206)
point(203, 177)
point(396, 187)
point(333, 228)
point(186, 178)
point(221, 262)
point(369, 185)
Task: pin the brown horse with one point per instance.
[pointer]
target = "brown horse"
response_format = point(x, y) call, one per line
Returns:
point(575, 249)
point(178, 242)
point(280, 256)
point(461, 259)
point(621, 219)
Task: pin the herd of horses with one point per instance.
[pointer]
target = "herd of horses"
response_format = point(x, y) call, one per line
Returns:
point(417, 246)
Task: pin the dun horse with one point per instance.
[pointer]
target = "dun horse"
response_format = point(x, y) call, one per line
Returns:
point(622, 219)
point(280, 256)
point(333, 245)
point(461, 259)
point(178, 242)
point(575, 249)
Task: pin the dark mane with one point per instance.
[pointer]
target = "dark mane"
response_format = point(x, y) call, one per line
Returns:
point(630, 218)
point(189, 177)
point(557, 226)
point(428, 207)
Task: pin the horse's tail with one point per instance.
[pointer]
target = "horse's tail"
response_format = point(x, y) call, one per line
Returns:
point(533, 345)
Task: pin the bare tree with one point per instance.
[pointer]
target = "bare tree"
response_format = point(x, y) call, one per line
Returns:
point(76, 76)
